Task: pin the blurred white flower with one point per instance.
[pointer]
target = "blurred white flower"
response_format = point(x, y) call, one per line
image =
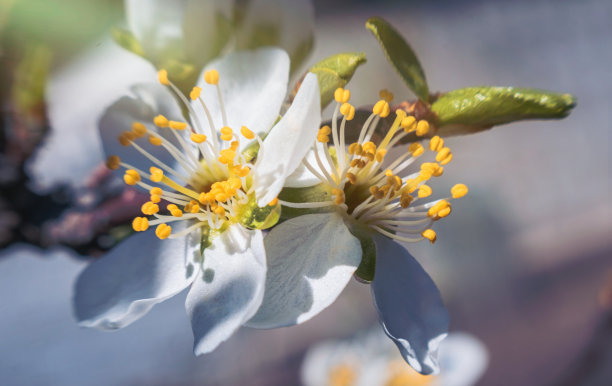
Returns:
point(216, 200)
point(190, 32)
point(369, 359)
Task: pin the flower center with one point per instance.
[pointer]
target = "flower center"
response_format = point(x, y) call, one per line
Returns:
point(212, 181)
point(370, 190)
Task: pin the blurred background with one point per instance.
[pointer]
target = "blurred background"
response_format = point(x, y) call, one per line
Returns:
point(524, 264)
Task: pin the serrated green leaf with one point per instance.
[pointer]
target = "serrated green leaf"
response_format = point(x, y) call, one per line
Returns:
point(335, 71)
point(401, 56)
point(127, 40)
point(472, 109)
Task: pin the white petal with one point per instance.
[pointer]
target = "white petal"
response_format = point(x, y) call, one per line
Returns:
point(206, 29)
point(122, 286)
point(302, 177)
point(253, 86)
point(230, 288)
point(288, 142)
point(76, 97)
point(311, 259)
point(157, 25)
point(285, 24)
point(150, 100)
point(463, 360)
point(409, 305)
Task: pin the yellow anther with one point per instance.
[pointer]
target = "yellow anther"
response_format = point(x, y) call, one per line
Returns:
point(409, 124)
point(163, 231)
point(161, 121)
point(139, 129)
point(381, 108)
point(338, 196)
point(416, 149)
point(177, 125)
point(386, 95)
point(351, 177)
point(388, 173)
point(162, 76)
point(442, 153)
point(226, 130)
point(425, 191)
point(380, 155)
point(446, 160)
point(355, 148)
point(438, 206)
point(227, 156)
point(273, 202)
point(234, 145)
point(126, 138)
point(113, 162)
point(194, 208)
point(459, 190)
point(131, 177)
point(436, 143)
point(405, 199)
point(373, 190)
point(155, 141)
point(443, 212)
point(348, 111)
point(241, 171)
point(234, 183)
point(155, 198)
point(422, 128)
point(430, 235)
point(341, 95)
point(219, 211)
point(325, 130)
point(221, 197)
point(174, 210)
point(156, 174)
point(149, 208)
point(247, 133)
point(195, 93)
point(140, 224)
point(198, 138)
point(323, 138)
point(211, 77)
point(156, 191)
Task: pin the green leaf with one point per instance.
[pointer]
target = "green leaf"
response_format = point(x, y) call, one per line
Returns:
point(315, 193)
point(126, 40)
point(401, 56)
point(335, 71)
point(472, 109)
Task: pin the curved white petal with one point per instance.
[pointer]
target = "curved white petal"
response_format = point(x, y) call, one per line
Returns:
point(463, 360)
point(229, 290)
point(150, 100)
point(76, 97)
point(409, 305)
point(122, 286)
point(302, 177)
point(311, 259)
point(253, 86)
point(281, 23)
point(288, 142)
point(157, 25)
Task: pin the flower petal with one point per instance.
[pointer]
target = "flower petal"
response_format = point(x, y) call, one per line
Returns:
point(229, 290)
point(285, 24)
point(253, 86)
point(409, 305)
point(463, 359)
point(122, 286)
point(206, 29)
point(76, 97)
point(157, 24)
point(288, 142)
point(150, 100)
point(311, 259)
point(302, 177)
